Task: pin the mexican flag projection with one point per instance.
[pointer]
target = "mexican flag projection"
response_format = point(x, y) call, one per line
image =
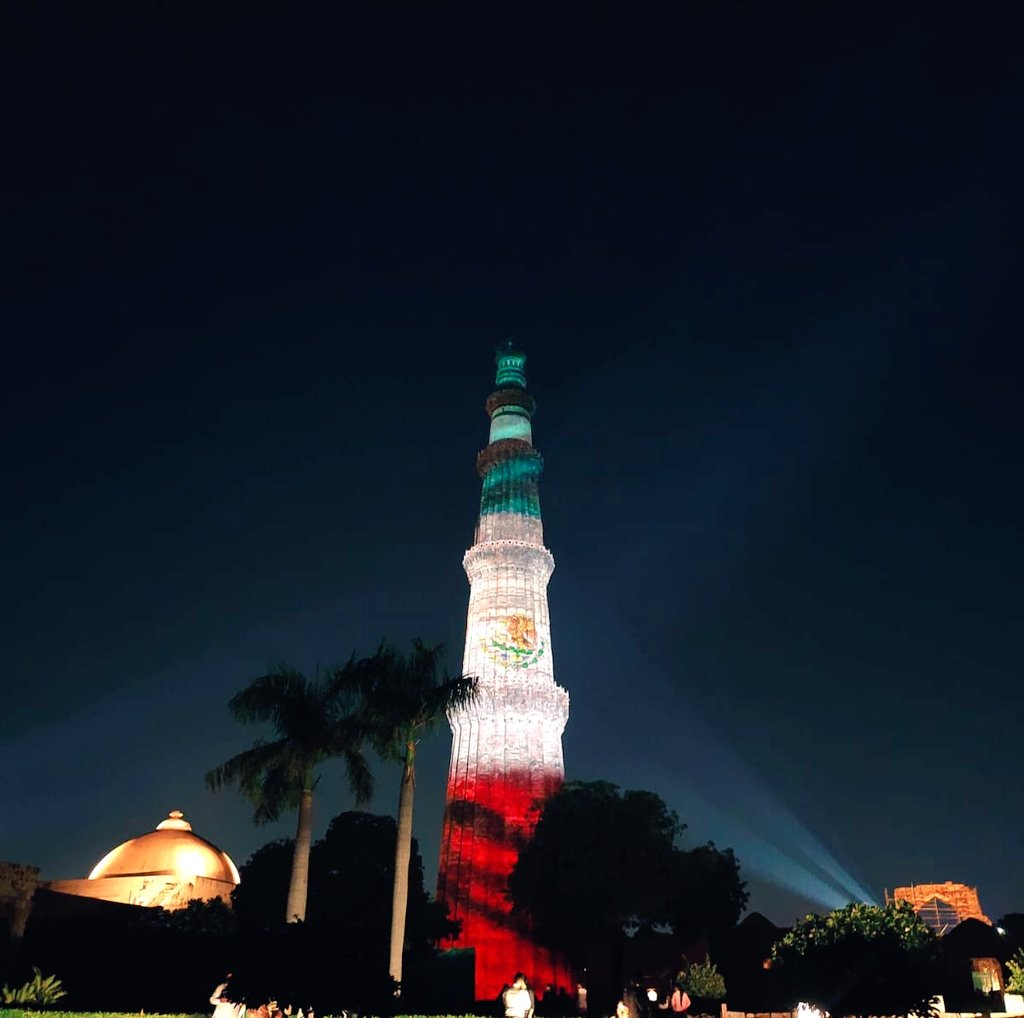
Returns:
point(507, 745)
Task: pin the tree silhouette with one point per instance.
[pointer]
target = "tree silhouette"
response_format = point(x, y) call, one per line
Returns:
point(403, 698)
point(860, 960)
point(313, 720)
point(601, 860)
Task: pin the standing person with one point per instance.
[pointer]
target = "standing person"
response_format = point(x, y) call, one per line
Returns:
point(223, 1005)
point(581, 999)
point(633, 1002)
point(679, 999)
point(518, 1000)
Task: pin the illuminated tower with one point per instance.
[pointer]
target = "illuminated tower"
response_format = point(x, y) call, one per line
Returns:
point(507, 746)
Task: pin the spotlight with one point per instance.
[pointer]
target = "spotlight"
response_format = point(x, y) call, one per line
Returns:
point(810, 1011)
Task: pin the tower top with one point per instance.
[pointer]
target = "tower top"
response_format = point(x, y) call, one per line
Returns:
point(511, 362)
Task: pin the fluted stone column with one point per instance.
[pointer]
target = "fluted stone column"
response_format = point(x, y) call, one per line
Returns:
point(507, 746)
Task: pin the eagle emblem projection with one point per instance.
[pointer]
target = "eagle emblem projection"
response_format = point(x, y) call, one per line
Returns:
point(513, 642)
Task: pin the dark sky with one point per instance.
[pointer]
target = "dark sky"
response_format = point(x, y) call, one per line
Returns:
point(766, 263)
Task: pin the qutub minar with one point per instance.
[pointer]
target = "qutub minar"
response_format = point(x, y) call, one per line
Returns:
point(507, 746)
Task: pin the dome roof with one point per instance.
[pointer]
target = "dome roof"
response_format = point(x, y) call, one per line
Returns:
point(173, 850)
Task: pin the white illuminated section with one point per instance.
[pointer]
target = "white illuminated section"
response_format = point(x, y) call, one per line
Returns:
point(508, 640)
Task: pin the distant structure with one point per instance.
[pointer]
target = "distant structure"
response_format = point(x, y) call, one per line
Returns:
point(507, 746)
point(169, 867)
point(941, 906)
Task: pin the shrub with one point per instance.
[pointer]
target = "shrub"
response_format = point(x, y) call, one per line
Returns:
point(860, 960)
point(39, 991)
point(1015, 984)
point(703, 981)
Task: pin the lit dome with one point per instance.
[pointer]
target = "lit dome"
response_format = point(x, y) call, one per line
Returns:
point(171, 850)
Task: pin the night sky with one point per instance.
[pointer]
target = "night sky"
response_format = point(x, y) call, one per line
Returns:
point(765, 262)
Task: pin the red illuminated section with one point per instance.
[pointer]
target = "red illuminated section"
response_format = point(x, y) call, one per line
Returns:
point(487, 820)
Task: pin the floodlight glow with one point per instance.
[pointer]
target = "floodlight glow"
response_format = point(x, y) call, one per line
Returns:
point(810, 1011)
point(741, 810)
point(774, 846)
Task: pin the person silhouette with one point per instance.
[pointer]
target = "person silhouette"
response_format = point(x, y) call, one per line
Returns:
point(518, 1000)
point(223, 1004)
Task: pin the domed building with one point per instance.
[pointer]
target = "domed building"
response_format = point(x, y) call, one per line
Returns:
point(169, 867)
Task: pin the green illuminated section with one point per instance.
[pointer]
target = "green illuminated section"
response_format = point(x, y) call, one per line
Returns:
point(511, 487)
point(511, 367)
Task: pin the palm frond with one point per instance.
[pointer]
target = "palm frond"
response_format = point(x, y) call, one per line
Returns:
point(312, 720)
point(241, 766)
point(269, 697)
point(404, 696)
point(344, 684)
point(451, 693)
point(269, 775)
point(277, 791)
point(360, 777)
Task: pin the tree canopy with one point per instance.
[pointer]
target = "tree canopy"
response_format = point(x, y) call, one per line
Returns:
point(311, 722)
point(706, 896)
point(352, 871)
point(402, 698)
point(1015, 969)
point(1012, 925)
point(339, 953)
point(860, 960)
point(601, 860)
point(387, 700)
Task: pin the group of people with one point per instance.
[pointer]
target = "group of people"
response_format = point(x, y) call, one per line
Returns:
point(226, 1005)
point(638, 1000)
point(642, 1001)
point(517, 1001)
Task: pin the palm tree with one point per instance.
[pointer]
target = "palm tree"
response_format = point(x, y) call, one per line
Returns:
point(404, 698)
point(313, 721)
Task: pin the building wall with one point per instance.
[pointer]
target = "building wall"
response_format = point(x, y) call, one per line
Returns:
point(164, 890)
point(963, 899)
